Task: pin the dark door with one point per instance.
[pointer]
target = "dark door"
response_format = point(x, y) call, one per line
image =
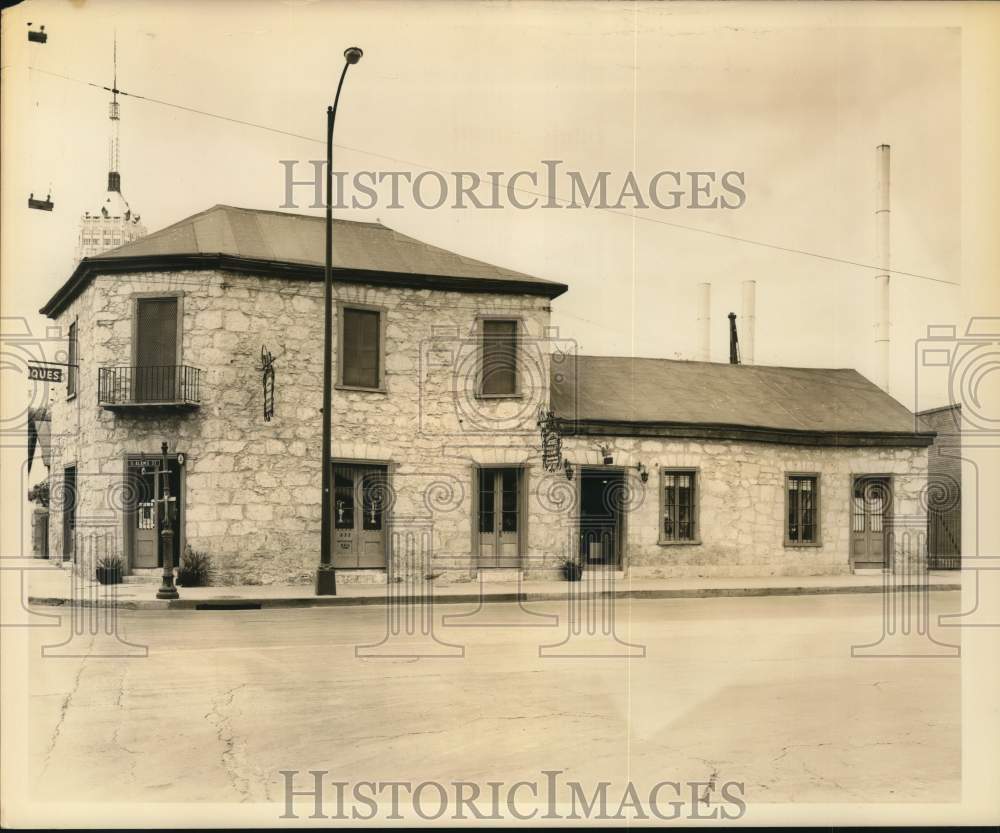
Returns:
point(600, 517)
point(871, 504)
point(155, 373)
point(499, 517)
point(70, 502)
point(145, 511)
point(360, 505)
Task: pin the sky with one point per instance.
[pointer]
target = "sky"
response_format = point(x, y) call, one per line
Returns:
point(797, 102)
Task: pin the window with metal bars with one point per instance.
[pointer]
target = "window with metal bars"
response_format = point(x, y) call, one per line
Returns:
point(499, 358)
point(802, 504)
point(679, 507)
point(361, 348)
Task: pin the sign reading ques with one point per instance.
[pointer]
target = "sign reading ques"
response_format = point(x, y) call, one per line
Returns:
point(45, 374)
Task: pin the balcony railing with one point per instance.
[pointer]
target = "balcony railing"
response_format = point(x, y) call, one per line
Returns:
point(162, 386)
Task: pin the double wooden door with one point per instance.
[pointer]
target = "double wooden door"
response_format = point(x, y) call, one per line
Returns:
point(871, 507)
point(498, 498)
point(360, 514)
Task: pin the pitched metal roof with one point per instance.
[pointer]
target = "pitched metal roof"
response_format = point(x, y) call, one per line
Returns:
point(604, 394)
point(293, 246)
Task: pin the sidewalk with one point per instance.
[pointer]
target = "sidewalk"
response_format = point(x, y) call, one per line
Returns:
point(49, 584)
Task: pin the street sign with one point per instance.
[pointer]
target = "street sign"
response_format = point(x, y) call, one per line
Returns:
point(45, 374)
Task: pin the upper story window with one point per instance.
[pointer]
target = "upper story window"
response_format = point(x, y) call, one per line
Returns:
point(73, 353)
point(361, 362)
point(802, 515)
point(157, 349)
point(679, 506)
point(499, 357)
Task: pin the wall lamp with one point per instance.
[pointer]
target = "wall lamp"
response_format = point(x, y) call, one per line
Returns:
point(643, 472)
point(568, 469)
point(607, 456)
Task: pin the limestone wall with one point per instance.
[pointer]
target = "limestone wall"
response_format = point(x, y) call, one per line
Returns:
point(252, 488)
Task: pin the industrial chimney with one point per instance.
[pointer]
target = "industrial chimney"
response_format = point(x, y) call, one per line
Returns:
point(749, 320)
point(705, 322)
point(883, 322)
point(734, 340)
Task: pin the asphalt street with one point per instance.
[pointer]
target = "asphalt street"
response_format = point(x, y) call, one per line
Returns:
point(212, 705)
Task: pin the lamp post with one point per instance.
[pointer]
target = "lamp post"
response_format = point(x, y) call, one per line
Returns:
point(326, 579)
point(167, 589)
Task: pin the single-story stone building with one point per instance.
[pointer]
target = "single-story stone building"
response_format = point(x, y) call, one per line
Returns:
point(468, 436)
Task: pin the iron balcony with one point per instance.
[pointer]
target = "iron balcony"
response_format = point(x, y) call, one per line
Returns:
point(161, 387)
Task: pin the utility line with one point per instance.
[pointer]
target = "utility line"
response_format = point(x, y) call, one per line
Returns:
point(552, 197)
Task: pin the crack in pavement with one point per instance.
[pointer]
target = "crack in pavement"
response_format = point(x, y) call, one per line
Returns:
point(63, 709)
point(122, 714)
point(224, 734)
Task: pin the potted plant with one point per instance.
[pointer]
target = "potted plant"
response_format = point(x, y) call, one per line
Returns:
point(572, 570)
point(110, 569)
point(196, 569)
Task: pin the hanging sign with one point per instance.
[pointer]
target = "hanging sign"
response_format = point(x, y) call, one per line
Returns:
point(267, 367)
point(44, 374)
point(551, 440)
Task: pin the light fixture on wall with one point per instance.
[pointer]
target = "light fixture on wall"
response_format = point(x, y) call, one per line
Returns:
point(643, 472)
point(607, 456)
point(568, 469)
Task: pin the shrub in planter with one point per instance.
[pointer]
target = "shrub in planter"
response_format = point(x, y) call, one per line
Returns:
point(110, 569)
point(572, 570)
point(196, 569)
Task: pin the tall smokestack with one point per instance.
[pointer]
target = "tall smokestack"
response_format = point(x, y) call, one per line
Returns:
point(705, 322)
point(734, 340)
point(883, 322)
point(749, 321)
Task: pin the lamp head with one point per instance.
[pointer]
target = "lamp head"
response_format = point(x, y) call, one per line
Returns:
point(353, 54)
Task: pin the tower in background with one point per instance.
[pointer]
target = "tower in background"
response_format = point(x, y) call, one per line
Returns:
point(114, 224)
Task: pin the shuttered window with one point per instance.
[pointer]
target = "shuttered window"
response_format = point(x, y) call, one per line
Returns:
point(73, 352)
point(156, 359)
point(499, 366)
point(360, 348)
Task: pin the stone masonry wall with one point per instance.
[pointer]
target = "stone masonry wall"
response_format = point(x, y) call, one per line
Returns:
point(252, 488)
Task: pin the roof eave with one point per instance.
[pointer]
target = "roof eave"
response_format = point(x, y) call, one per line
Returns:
point(745, 433)
point(90, 267)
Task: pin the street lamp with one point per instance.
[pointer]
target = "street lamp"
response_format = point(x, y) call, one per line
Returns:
point(326, 578)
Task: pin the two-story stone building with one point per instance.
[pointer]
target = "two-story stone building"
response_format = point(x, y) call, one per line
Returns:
point(443, 366)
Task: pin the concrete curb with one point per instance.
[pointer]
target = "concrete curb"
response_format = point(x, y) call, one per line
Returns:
point(464, 598)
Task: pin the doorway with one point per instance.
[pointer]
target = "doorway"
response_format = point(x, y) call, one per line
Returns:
point(602, 493)
point(871, 508)
point(360, 514)
point(499, 518)
point(143, 510)
point(70, 502)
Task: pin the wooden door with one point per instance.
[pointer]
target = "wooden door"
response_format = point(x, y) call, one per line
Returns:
point(144, 512)
point(871, 505)
point(600, 517)
point(145, 539)
point(360, 508)
point(155, 372)
point(70, 502)
point(499, 517)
